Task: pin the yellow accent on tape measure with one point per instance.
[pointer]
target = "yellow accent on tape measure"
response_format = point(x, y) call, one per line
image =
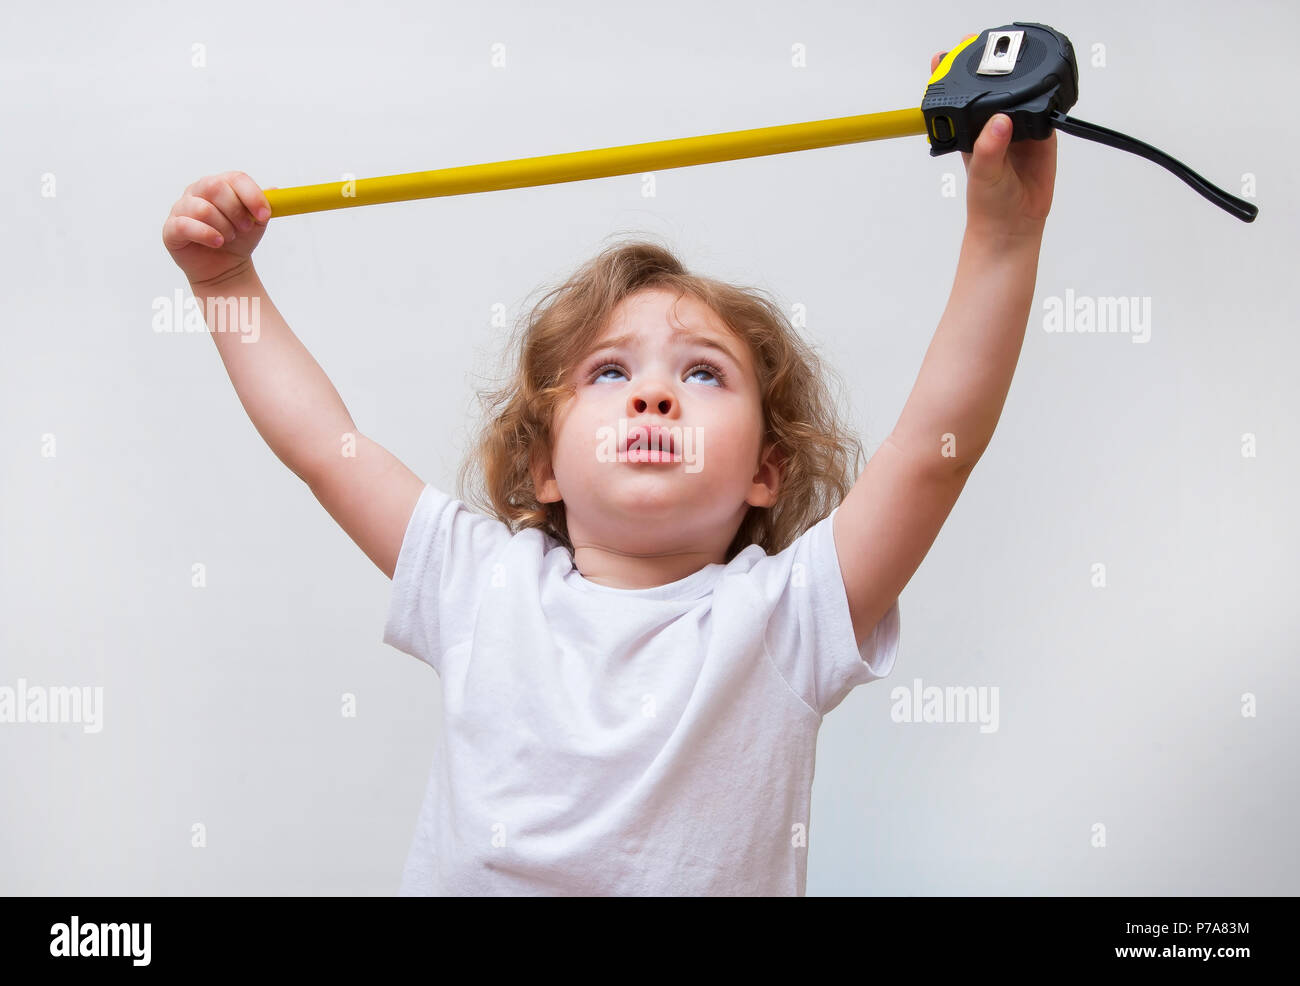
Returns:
point(941, 69)
point(601, 163)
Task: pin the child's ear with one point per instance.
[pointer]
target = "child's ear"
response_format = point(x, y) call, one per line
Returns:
point(544, 485)
point(767, 480)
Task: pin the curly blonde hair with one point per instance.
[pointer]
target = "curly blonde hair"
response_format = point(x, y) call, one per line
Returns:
point(819, 457)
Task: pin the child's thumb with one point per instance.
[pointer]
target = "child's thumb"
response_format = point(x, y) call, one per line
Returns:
point(990, 151)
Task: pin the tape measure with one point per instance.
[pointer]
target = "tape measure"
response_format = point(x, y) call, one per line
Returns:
point(1025, 70)
point(1028, 71)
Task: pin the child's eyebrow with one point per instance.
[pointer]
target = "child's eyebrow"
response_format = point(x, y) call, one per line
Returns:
point(678, 335)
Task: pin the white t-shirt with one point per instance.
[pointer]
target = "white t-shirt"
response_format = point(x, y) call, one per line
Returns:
point(599, 741)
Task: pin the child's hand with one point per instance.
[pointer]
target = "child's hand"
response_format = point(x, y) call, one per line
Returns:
point(1008, 186)
point(216, 225)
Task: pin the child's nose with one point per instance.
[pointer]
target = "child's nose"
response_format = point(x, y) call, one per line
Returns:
point(648, 397)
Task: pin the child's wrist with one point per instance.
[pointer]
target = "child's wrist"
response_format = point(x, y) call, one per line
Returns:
point(1001, 237)
point(241, 272)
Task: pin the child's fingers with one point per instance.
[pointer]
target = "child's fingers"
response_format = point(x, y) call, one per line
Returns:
point(218, 190)
point(181, 230)
point(989, 160)
point(259, 209)
point(203, 210)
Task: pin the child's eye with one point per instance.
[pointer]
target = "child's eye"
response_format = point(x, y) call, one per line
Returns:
point(709, 368)
point(600, 371)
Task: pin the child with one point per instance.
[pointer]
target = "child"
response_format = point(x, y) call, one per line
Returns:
point(667, 587)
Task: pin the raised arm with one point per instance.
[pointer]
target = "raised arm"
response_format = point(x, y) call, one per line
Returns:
point(891, 517)
point(211, 233)
point(896, 508)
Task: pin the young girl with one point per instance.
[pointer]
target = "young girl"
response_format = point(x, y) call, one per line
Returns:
point(673, 574)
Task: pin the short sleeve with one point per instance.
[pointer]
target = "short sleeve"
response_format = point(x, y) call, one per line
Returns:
point(442, 566)
point(809, 631)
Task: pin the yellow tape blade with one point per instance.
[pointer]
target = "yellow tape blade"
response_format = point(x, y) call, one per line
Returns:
point(601, 163)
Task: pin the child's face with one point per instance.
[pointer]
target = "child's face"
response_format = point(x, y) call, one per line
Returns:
point(696, 500)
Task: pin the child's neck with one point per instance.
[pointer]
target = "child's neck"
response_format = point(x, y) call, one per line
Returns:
point(619, 570)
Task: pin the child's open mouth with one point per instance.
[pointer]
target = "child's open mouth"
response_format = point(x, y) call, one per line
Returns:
point(651, 455)
point(651, 443)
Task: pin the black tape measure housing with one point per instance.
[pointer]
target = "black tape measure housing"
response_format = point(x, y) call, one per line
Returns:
point(1043, 79)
